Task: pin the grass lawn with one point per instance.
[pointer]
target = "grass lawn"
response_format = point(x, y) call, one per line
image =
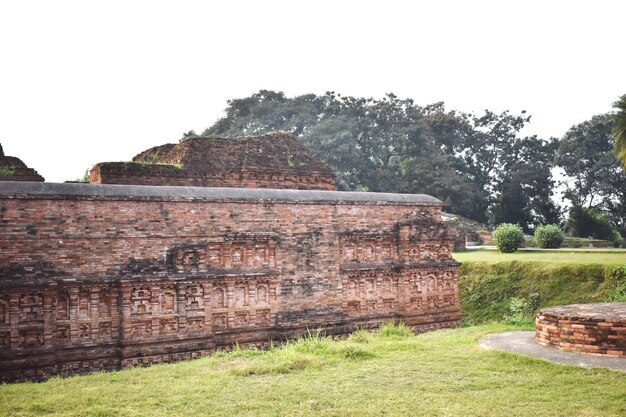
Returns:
point(442, 373)
point(561, 257)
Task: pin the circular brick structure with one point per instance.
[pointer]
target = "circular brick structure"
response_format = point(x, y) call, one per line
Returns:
point(598, 329)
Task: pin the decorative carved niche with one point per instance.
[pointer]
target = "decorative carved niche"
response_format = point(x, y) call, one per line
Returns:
point(140, 300)
point(237, 255)
point(194, 297)
point(220, 320)
point(432, 293)
point(4, 311)
point(354, 307)
point(386, 253)
point(104, 330)
point(84, 303)
point(195, 324)
point(261, 255)
point(349, 253)
point(30, 305)
point(367, 252)
point(141, 329)
point(104, 306)
point(167, 299)
point(214, 256)
point(352, 286)
point(262, 294)
point(62, 305)
point(241, 295)
point(5, 340)
point(389, 284)
point(62, 333)
point(370, 285)
point(188, 260)
point(168, 326)
point(242, 318)
point(84, 331)
point(30, 338)
point(218, 298)
point(263, 316)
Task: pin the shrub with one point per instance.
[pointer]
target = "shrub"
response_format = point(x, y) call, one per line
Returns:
point(507, 237)
point(522, 311)
point(590, 222)
point(6, 171)
point(549, 236)
point(617, 291)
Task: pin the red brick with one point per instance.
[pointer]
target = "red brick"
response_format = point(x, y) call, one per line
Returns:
point(106, 277)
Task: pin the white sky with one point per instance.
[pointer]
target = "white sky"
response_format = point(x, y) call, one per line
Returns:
point(83, 82)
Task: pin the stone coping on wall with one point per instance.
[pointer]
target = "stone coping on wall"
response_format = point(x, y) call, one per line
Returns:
point(34, 190)
point(590, 312)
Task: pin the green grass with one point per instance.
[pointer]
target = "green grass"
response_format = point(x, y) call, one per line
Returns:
point(442, 373)
point(512, 287)
point(553, 257)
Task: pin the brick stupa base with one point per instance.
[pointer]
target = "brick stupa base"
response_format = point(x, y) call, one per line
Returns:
point(598, 329)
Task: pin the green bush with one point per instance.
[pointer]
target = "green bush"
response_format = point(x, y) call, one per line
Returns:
point(508, 237)
point(549, 236)
point(522, 311)
point(617, 289)
point(590, 222)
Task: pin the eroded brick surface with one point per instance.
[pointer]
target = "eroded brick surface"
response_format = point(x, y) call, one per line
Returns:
point(598, 329)
point(103, 280)
point(275, 160)
point(13, 169)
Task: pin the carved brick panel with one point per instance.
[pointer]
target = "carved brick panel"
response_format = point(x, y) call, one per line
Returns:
point(430, 289)
point(242, 252)
point(367, 248)
point(370, 291)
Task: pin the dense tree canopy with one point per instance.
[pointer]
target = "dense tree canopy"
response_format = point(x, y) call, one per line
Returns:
point(595, 179)
point(619, 129)
point(478, 165)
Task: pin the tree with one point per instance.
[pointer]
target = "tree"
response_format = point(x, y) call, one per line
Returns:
point(595, 179)
point(393, 145)
point(619, 129)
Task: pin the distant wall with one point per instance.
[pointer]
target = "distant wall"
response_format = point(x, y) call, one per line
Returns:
point(102, 277)
point(130, 173)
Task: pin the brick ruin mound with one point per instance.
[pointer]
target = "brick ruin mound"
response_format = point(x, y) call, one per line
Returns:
point(274, 160)
point(598, 329)
point(13, 169)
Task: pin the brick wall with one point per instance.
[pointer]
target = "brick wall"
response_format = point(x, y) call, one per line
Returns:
point(103, 277)
point(129, 173)
point(598, 329)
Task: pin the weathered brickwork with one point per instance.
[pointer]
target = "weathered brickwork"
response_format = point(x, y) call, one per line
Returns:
point(13, 169)
point(275, 160)
point(109, 276)
point(598, 329)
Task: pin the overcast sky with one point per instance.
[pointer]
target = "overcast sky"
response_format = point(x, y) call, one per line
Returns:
point(83, 82)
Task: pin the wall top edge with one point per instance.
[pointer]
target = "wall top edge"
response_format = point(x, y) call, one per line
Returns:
point(79, 191)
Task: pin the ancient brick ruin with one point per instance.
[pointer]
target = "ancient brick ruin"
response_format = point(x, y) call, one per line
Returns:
point(598, 329)
point(108, 276)
point(275, 160)
point(13, 169)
